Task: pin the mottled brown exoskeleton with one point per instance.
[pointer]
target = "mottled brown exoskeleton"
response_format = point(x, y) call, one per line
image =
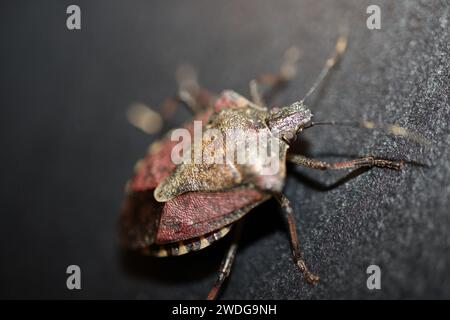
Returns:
point(174, 209)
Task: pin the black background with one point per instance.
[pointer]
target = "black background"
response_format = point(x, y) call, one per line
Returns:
point(67, 148)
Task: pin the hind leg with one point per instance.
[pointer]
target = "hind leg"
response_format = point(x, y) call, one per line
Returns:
point(227, 263)
point(295, 243)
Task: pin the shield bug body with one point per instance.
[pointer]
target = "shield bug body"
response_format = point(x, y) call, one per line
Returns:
point(174, 209)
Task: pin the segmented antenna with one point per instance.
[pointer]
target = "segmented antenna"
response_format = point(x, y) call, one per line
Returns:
point(393, 129)
point(339, 50)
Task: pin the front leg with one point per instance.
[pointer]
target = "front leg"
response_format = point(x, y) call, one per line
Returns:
point(367, 162)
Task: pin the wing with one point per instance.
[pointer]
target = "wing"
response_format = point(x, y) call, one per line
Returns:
point(145, 221)
point(194, 214)
point(140, 215)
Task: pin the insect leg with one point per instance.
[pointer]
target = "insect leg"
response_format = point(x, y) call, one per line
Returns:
point(227, 262)
point(144, 118)
point(356, 163)
point(196, 98)
point(295, 243)
point(149, 120)
point(288, 70)
point(190, 92)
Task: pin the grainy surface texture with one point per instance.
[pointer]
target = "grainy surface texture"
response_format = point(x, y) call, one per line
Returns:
point(67, 149)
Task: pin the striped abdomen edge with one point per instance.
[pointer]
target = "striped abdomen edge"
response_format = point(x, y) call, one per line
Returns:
point(182, 247)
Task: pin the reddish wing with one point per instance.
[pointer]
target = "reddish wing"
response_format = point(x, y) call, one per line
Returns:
point(145, 221)
point(194, 214)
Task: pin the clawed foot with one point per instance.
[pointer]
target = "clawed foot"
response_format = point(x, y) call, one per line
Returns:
point(310, 278)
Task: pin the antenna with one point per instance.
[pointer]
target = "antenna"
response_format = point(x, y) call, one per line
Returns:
point(341, 45)
point(393, 129)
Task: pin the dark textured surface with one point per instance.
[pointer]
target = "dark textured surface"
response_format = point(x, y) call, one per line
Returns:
point(67, 149)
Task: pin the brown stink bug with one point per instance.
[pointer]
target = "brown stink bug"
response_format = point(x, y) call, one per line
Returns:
point(172, 209)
